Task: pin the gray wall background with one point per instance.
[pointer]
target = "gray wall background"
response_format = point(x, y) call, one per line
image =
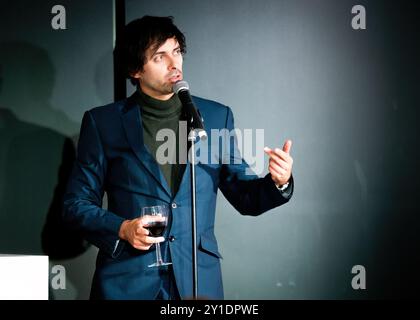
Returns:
point(348, 99)
point(48, 78)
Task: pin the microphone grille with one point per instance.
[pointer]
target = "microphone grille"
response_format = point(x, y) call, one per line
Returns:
point(180, 85)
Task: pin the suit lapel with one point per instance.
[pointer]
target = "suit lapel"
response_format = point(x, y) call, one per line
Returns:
point(131, 119)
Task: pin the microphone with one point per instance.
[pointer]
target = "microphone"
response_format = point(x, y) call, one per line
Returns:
point(181, 88)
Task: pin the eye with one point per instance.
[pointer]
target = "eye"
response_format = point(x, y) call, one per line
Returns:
point(177, 51)
point(157, 58)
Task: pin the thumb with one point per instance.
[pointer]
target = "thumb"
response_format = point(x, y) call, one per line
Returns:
point(287, 145)
point(267, 150)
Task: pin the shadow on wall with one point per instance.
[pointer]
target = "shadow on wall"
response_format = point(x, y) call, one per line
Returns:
point(35, 159)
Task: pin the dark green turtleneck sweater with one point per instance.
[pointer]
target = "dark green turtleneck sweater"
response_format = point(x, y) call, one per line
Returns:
point(157, 115)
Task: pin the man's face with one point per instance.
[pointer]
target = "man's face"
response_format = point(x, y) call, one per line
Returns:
point(162, 69)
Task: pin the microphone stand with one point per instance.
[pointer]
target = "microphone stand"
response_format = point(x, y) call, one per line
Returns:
point(192, 138)
point(196, 129)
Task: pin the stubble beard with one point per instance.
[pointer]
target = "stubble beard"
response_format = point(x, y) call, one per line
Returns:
point(162, 89)
point(167, 88)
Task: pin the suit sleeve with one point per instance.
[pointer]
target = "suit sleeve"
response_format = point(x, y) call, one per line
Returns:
point(248, 193)
point(85, 189)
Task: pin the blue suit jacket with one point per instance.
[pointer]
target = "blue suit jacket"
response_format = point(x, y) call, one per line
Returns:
point(113, 159)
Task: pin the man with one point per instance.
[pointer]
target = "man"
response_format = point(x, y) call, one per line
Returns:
point(117, 154)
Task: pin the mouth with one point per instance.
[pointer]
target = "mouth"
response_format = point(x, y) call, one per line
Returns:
point(175, 77)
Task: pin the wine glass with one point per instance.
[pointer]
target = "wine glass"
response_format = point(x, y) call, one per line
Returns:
point(158, 220)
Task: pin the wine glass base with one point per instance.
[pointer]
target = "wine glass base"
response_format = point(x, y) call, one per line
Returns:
point(161, 264)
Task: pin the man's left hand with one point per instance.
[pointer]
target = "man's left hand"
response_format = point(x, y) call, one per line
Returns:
point(280, 164)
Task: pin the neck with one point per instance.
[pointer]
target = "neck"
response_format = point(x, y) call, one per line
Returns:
point(156, 95)
point(158, 108)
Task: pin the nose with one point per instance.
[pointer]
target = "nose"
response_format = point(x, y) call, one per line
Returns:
point(172, 64)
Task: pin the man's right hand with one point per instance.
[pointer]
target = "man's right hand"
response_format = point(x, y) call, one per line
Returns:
point(134, 232)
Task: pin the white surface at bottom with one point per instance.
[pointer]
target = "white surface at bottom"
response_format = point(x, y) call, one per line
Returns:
point(23, 277)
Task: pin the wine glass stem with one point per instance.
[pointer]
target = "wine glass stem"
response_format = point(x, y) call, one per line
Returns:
point(158, 254)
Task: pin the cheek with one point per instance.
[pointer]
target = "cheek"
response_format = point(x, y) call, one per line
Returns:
point(153, 74)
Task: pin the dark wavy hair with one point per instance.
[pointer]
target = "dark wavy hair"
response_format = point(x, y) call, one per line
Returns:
point(140, 35)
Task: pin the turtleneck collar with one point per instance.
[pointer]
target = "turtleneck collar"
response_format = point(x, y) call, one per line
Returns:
point(159, 109)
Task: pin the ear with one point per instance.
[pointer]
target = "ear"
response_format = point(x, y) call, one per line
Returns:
point(136, 75)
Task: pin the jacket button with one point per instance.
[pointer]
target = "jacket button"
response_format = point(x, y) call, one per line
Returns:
point(174, 206)
point(172, 238)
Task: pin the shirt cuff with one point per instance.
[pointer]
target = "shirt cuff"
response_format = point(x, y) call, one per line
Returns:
point(284, 186)
point(286, 189)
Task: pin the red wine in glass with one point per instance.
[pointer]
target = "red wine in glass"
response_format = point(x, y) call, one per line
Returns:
point(157, 222)
point(156, 228)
